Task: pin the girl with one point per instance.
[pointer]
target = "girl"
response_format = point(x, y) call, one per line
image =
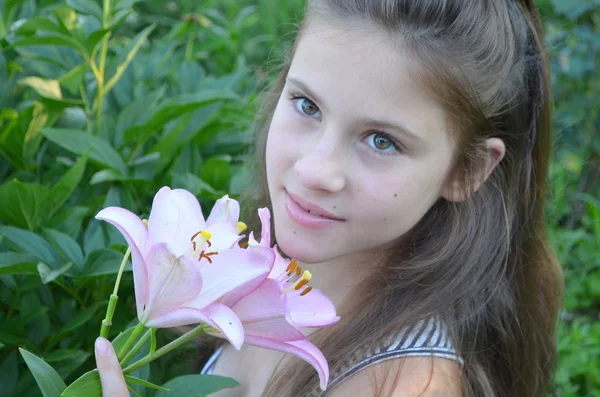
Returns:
point(404, 158)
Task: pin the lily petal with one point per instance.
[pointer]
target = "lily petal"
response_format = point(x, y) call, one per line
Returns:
point(218, 316)
point(265, 220)
point(300, 348)
point(279, 266)
point(227, 322)
point(264, 313)
point(224, 236)
point(311, 310)
point(136, 235)
point(225, 210)
point(172, 281)
point(231, 269)
point(175, 217)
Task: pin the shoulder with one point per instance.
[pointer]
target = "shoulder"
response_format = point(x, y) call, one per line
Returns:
point(405, 377)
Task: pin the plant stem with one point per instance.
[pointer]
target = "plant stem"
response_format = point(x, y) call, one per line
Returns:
point(166, 348)
point(121, 269)
point(189, 48)
point(112, 303)
point(127, 346)
point(102, 69)
point(137, 347)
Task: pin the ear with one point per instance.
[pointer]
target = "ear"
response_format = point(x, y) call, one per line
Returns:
point(455, 191)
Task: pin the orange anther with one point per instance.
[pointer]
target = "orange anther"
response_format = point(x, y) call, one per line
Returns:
point(301, 284)
point(306, 291)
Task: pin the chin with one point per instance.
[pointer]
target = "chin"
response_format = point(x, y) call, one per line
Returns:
point(302, 254)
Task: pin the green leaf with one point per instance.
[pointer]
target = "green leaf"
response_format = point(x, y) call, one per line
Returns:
point(48, 380)
point(23, 205)
point(31, 243)
point(104, 261)
point(87, 385)
point(51, 41)
point(20, 138)
point(81, 318)
point(110, 175)
point(67, 367)
point(141, 382)
point(48, 275)
point(87, 7)
point(94, 38)
point(173, 108)
point(69, 220)
point(133, 49)
point(80, 142)
point(60, 193)
point(32, 25)
point(9, 375)
point(119, 341)
point(14, 340)
point(196, 385)
point(17, 263)
point(16, 324)
point(216, 172)
point(66, 247)
point(46, 88)
point(73, 79)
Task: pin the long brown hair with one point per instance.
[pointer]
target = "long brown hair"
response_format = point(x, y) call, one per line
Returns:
point(483, 265)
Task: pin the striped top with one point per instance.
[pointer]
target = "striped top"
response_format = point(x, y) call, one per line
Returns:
point(426, 338)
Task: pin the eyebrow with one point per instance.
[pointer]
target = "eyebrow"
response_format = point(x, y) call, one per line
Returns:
point(366, 121)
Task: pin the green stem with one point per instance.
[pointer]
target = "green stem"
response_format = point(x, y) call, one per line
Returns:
point(166, 348)
point(136, 348)
point(121, 269)
point(112, 303)
point(102, 69)
point(127, 346)
point(189, 48)
point(3, 30)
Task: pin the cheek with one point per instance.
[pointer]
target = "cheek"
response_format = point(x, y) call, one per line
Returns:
point(282, 145)
point(392, 206)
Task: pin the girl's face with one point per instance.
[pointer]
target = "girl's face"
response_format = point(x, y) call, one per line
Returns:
point(355, 136)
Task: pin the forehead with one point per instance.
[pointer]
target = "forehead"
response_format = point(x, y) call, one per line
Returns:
point(360, 65)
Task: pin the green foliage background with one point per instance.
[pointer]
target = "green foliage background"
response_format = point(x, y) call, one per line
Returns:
point(103, 106)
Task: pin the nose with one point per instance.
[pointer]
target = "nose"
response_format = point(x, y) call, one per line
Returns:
point(321, 168)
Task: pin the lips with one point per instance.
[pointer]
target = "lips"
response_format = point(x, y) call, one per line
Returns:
point(312, 208)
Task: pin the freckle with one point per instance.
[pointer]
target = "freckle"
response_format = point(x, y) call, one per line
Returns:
point(294, 232)
point(385, 219)
point(334, 207)
point(395, 194)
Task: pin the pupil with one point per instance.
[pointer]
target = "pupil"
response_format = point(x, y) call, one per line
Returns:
point(308, 107)
point(382, 142)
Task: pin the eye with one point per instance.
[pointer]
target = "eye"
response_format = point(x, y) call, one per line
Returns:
point(383, 143)
point(305, 105)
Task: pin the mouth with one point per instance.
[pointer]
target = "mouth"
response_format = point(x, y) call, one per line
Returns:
point(311, 208)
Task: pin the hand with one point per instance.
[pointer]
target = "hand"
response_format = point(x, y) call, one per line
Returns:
point(111, 375)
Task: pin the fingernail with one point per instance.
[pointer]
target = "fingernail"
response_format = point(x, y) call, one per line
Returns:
point(102, 346)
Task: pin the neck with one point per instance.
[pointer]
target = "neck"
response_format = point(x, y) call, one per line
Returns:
point(337, 277)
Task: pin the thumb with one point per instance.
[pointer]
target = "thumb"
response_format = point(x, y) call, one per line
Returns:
point(111, 375)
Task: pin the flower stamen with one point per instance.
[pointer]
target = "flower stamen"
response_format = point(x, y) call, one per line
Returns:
point(302, 281)
point(207, 255)
point(204, 237)
point(241, 226)
point(306, 291)
point(292, 265)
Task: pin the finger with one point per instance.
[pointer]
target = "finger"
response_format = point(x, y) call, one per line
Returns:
point(111, 375)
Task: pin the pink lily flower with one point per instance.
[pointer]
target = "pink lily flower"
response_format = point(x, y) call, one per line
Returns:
point(273, 313)
point(177, 282)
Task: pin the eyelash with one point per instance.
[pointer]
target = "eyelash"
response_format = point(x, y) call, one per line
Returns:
point(294, 97)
